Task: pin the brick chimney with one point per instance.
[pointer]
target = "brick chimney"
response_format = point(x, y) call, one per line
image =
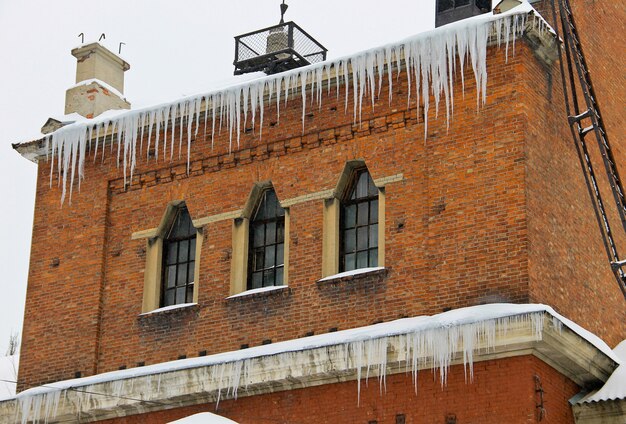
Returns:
point(99, 82)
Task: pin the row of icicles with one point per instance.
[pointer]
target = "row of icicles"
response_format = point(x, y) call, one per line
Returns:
point(435, 348)
point(428, 60)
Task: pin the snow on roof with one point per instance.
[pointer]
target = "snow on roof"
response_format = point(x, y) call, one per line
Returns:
point(8, 375)
point(615, 386)
point(204, 418)
point(434, 55)
point(421, 324)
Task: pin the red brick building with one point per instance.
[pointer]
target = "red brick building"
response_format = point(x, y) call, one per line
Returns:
point(269, 234)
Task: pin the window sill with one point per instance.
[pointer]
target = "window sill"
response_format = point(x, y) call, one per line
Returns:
point(169, 309)
point(259, 293)
point(363, 274)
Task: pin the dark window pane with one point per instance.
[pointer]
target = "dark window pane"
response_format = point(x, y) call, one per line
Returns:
point(349, 216)
point(373, 257)
point(257, 279)
point(181, 278)
point(362, 185)
point(374, 211)
point(183, 251)
point(270, 203)
point(372, 189)
point(171, 276)
point(270, 256)
point(182, 226)
point(362, 259)
point(191, 271)
point(180, 294)
point(259, 235)
point(373, 242)
point(362, 215)
point(169, 298)
point(361, 238)
point(171, 252)
point(279, 277)
point(280, 254)
point(192, 249)
point(270, 233)
point(350, 262)
point(189, 296)
point(268, 277)
point(349, 241)
point(458, 3)
point(258, 259)
point(280, 232)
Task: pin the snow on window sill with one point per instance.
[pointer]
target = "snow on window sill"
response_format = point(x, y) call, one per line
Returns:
point(170, 308)
point(260, 292)
point(356, 274)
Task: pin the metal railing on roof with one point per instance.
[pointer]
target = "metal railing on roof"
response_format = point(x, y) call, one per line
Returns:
point(276, 49)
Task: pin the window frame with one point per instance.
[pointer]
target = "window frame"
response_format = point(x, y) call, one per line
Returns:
point(346, 202)
point(241, 239)
point(152, 290)
point(331, 219)
point(178, 240)
point(265, 222)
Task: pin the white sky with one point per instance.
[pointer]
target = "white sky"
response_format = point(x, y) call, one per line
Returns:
point(175, 48)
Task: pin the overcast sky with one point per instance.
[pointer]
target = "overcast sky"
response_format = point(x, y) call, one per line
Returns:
point(175, 48)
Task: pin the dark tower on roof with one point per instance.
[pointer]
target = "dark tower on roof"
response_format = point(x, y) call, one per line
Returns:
point(449, 11)
point(277, 48)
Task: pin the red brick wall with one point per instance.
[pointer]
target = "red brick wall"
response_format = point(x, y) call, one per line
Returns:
point(568, 265)
point(602, 29)
point(463, 240)
point(503, 391)
point(456, 230)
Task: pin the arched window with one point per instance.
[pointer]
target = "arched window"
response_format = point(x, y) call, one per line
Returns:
point(266, 248)
point(358, 232)
point(179, 259)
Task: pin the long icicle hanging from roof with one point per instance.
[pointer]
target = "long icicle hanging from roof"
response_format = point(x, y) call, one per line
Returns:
point(429, 61)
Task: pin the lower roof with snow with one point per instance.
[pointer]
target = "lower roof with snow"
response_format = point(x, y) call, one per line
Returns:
point(461, 336)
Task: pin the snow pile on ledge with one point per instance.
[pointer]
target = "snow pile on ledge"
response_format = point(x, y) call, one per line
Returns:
point(426, 342)
point(252, 292)
point(169, 308)
point(615, 386)
point(429, 61)
point(203, 418)
point(352, 273)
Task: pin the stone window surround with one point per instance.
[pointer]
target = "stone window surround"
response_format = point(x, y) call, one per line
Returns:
point(332, 212)
point(241, 239)
point(154, 257)
point(240, 217)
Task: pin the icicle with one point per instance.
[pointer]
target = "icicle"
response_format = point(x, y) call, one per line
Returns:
point(428, 59)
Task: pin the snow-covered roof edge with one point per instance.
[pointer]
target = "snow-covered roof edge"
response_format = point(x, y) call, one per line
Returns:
point(615, 386)
point(427, 55)
point(451, 319)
